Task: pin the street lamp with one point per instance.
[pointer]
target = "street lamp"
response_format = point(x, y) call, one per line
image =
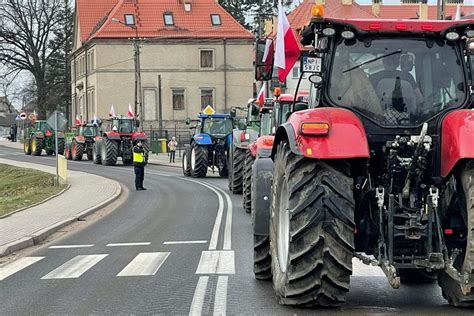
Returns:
point(138, 78)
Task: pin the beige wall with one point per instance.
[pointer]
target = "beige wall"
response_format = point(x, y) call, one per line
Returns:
point(179, 67)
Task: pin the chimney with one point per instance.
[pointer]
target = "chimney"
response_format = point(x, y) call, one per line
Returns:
point(376, 7)
point(423, 10)
point(346, 2)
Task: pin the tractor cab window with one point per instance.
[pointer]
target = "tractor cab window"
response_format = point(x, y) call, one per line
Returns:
point(89, 131)
point(397, 81)
point(217, 126)
point(126, 126)
point(266, 123)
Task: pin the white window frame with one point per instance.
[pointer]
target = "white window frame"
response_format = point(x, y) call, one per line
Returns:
point(213, 58)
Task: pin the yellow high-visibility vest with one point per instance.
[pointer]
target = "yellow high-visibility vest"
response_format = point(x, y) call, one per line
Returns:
point(138, 157)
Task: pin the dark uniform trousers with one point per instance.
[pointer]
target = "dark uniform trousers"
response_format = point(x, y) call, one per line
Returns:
point(139, 176)
point(139, 166)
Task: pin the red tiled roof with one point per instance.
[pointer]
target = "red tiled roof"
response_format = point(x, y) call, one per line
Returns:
point(410, 11)
point(95, 19)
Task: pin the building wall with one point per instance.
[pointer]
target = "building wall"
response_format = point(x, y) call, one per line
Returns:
point(178, 64)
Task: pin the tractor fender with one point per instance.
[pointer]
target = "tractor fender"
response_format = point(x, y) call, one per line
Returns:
point(80, 139)
point(253, 149)
point(139, 136)
point(264, 146)
point(345, 139)
point(457, 135)
point(202, 139)
point(262, 175)
point(112, 135)
point(237, 141)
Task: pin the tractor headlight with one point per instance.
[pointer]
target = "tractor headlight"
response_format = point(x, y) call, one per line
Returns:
point(452, 36)
point(347, 35)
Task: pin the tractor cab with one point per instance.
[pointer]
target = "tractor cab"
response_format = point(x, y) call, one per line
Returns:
point(122, 125)
point(42, 126)
point(88, 130)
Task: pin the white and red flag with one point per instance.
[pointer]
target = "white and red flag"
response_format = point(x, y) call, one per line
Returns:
point(95, 122)
point(112, 111)
point(287, 50)
point(78, 120)
point(261, 95)
point(130, 111)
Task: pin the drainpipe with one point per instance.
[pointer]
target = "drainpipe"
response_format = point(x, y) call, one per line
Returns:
point(225, 75)
point(85, 89)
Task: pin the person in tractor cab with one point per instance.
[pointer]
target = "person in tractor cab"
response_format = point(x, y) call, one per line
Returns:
point(139, 165)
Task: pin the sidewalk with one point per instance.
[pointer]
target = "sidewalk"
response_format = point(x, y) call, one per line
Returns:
point(31, 226)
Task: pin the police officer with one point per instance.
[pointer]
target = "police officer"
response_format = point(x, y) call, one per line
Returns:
point(139, 165)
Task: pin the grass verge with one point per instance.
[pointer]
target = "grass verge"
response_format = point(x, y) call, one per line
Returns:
point(22, 187)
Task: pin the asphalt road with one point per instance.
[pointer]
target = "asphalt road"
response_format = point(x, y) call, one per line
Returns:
point(183, 246)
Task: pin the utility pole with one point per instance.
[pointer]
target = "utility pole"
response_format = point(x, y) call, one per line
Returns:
point(441, 7)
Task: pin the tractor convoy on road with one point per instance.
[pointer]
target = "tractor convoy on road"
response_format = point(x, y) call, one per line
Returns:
point(375, 161)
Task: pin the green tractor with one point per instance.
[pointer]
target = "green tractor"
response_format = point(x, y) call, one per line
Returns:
point(80, 141)
point(42, 136)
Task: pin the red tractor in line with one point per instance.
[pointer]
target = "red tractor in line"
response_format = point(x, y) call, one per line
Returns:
point(379, 167)
point(117, 139)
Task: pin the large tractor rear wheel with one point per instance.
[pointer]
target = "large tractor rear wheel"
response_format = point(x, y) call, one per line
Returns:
point(109, 152)
point(461, 210)
point(36, 146)
point(247, 181)
point(199, 160)
point(236, 170)
point(186, 161)
point(311, 230)
point(96, 152)
point(67, 152)
point(61, 146)
point(27, 147)
point(77, 150)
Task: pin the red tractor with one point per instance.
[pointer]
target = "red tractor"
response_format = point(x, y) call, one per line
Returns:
point(117, 140)
point(379, 167)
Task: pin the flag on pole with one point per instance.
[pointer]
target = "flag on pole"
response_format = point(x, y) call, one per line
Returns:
point(130, 111)
point(94, 122)
point(287, 50)
point(261, 95)
point(268, 50)
point(112, 111)
point(78, 120)
point(457, 17)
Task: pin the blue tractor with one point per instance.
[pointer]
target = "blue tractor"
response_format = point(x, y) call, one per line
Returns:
point(209, 145)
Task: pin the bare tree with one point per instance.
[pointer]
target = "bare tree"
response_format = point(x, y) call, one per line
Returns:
point(27, 28)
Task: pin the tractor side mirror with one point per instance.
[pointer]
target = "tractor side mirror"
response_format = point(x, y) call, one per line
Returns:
point(301, 106)
point(188, 121)
point(242, 124)
point(137, 123)
point(264, 59)
point(233, 112)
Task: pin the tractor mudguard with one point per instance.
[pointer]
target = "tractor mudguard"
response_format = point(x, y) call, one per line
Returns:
point(264, 146)
point(80, 139)
point(262, 175)
point(202, 139)
point(112, 135)
point(237, 141)
point(457, 139)
point(253, 149)
point(345, 138)
point(139, 136)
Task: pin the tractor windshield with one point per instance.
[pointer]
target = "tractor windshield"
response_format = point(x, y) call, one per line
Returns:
point(126, 126)
point(89, 131)
point(397, 81)
point(266, 123)
point(217, 126)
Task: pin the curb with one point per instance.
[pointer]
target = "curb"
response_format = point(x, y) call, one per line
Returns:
point(38, 236)
point(38, 203)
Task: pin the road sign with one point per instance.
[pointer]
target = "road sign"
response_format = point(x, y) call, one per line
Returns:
point(23, 116)
point(208, 110)
point(61, 119)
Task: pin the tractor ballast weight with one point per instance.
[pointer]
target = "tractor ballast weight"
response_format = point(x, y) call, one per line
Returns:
point(209, 146)
point(381, 164)
point(42, 136)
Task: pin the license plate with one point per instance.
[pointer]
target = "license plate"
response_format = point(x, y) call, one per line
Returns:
point(311, 64)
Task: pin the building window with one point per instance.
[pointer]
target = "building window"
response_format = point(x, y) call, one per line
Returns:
point(207, 58)
point(168, 17)
point(207, 98)
point(129, 19)
point(216, 19)
point(178, 99)
point(92, 61)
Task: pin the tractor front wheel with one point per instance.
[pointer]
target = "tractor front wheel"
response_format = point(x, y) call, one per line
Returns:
point(61, 146)
point(460, 217)
point(311, 230)
point(96, 151)
point(67, 152)
point(109, 152)
point(236, 170)
point(247, 189)
point(186, 163)
point(199, 160)
point(36, 146)
point(77, 150)
point(27, 147)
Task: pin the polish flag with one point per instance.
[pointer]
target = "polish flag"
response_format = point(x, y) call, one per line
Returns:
point(287, 50)
point(112, 112)
point(78, 120)
point(457, 16)
point(268, 50)
point(130, 111)
point(261, 95)
point(94, 122)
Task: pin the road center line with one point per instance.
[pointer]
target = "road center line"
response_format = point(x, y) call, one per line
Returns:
point(70, 246)
point(124, 244)
point(182, 242)
point(199, 294)
point(228, 221)
point(220, 299)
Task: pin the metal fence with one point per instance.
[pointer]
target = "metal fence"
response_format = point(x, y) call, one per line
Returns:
point(156, 136)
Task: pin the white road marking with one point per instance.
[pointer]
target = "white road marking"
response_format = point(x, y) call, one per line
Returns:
point(70, 246)
point(228, 220)
point(360, 269)
point(220, 299)
point(216, 262)
point(75, 267)
point(182, 242)
point(17, 265)
point(199, 294)
point(220, 212)
point(124, 244)
point(145, 263)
